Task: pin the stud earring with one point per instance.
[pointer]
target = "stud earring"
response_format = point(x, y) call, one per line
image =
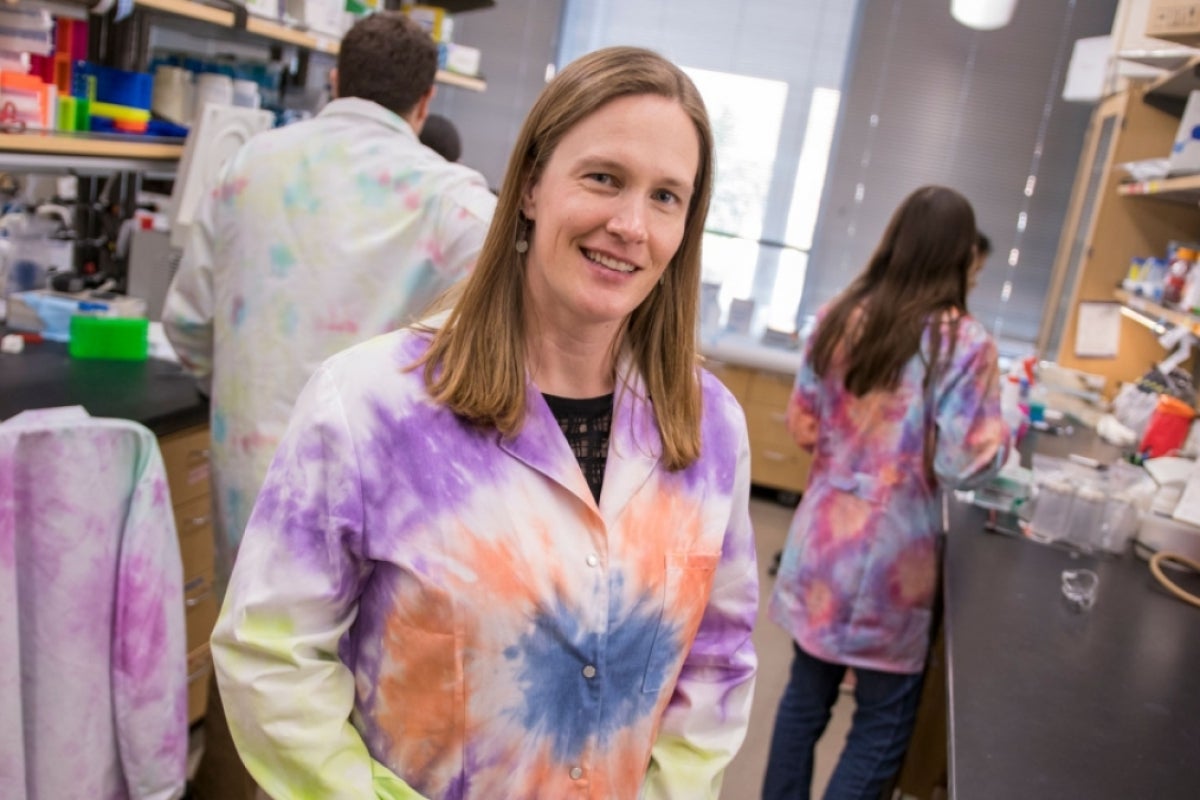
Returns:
point(522, 246)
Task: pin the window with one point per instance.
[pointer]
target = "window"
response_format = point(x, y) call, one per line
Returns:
point(770, 72)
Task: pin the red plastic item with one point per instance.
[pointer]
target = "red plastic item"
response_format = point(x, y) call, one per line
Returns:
point(1168, 427)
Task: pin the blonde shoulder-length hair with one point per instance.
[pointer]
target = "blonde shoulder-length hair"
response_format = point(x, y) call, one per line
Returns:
point(476, 363)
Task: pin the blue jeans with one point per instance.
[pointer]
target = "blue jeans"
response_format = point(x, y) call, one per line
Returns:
point(886, 707)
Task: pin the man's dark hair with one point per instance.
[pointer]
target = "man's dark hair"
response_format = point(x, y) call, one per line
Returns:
point(440, 136)
point(389, 59)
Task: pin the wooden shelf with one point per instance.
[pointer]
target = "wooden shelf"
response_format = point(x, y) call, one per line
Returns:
point(1184, 189)
point(1170, 92)
point(1158, 312)
point(75, 145)
point(279, 32)
point(186, 8)
point(60, 153)
point(461, 81)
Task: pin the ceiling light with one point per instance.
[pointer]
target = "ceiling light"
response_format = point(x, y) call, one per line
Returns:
point(983, 15)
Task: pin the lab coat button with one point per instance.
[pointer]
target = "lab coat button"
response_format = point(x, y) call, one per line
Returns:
point(589, 671)
point(593, 559)
point(576, 773)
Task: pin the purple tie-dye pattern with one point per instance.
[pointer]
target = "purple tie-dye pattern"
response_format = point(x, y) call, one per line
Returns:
point(456, 456)
point(718, 437)
point(8, 506)
point(101, 642)
point(139, 654)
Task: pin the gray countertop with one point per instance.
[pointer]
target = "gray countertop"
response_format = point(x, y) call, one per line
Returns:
point(1046, 702)
point(158, 394)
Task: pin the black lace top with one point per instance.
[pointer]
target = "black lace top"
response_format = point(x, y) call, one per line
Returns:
point(586, 423)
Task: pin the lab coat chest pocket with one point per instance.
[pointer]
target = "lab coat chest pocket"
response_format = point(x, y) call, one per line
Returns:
point(686, 587)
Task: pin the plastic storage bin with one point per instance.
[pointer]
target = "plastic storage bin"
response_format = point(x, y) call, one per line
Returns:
point(115, 86)
point(118, 338)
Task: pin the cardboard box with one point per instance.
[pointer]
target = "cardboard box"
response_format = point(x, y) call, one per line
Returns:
point(1174, 21)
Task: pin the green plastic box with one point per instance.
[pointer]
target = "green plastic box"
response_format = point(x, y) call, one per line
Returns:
point(117, 338)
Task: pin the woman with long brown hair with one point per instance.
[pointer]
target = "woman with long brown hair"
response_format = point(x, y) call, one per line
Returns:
point(508, 554)
point(898, 396)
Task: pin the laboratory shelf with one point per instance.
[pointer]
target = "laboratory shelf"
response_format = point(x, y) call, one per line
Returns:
point(1158, 313)
point(1170, 92)
point(279, 32)
point(82, 153)
point(223, 18)
point(1184, 189)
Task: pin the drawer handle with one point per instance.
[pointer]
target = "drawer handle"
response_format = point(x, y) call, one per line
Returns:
point(772, 455)
point(778, 416)
point(197, 522)
point(198, 674)
point(192, 602)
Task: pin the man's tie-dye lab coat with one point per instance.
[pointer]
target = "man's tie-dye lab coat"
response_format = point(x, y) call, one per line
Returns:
point(422, 608)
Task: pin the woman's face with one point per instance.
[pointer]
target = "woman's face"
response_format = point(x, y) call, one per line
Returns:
point(609, 211)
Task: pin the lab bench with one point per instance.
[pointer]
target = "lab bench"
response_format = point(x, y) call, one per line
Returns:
point(1045, 701)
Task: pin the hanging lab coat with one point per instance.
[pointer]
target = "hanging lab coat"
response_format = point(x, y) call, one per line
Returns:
point(93, 678)
point(860, 568)
point(318, 236)
point(422, 608)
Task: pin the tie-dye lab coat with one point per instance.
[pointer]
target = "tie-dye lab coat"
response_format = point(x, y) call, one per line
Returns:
point(93, 668)
point(860, 568)
point(423, 609)
point(318, 236)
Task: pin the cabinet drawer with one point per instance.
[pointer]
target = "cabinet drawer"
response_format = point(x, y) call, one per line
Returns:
point(767, 425)
point(736, 379)
point(773, 389)
point(779, 467)
point(193, 521)
point(199, 668)
point(200, 610)
point(186, 458)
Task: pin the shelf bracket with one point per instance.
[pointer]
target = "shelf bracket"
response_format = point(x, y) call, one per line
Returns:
point(239, 12)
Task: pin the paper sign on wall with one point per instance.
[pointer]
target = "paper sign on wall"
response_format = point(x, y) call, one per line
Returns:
point(1098, 330)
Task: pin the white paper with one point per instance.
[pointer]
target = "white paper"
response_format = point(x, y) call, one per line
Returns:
point(1170, 469)
point(1188, 509)
point(1098, 330)
point(1088, 69)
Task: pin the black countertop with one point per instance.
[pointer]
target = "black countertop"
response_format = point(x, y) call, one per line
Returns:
point(158, 394)
point(1046, 702)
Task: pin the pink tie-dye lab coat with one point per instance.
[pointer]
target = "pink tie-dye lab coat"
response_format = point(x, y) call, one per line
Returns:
point(860, 568)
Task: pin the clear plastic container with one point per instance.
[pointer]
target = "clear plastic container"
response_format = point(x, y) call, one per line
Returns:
point(1052, 509)
point(1122, 518)
point(1087, 518)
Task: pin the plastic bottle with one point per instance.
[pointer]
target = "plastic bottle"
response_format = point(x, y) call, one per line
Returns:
point(1177, 275)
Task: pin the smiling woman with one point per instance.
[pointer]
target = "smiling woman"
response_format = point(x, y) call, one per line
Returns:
point(606, 215)
point(509, 554)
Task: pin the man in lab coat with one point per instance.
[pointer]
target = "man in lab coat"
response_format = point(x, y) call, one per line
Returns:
point(317, 236)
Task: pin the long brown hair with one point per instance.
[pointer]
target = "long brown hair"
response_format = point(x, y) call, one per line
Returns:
point(476, 362)
point(918, 272)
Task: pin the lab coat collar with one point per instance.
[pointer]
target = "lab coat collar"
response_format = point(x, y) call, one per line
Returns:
point(634, 447)
point(369, 110)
